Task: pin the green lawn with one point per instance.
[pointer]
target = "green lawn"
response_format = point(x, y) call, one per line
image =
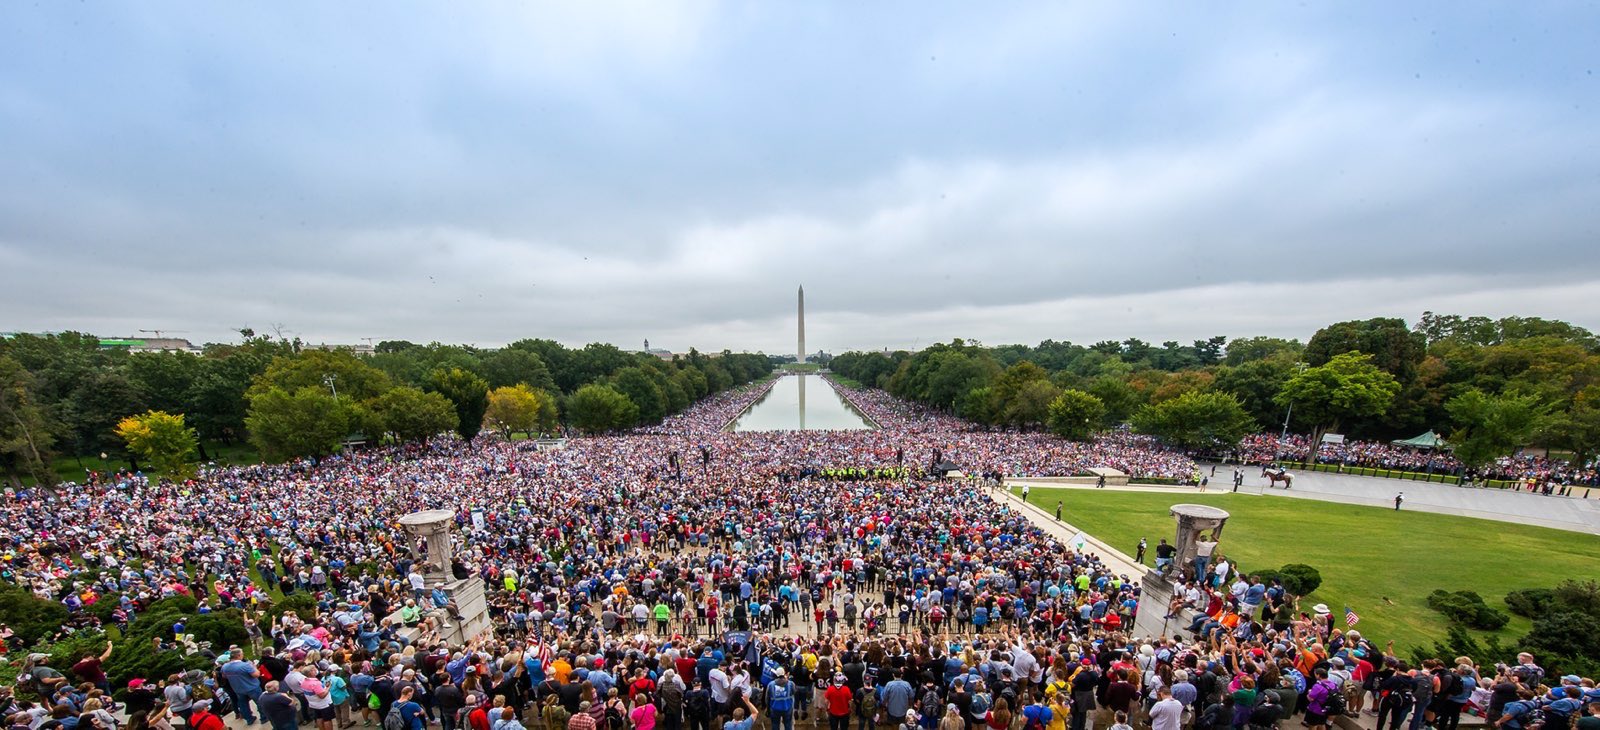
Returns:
point(1365, 554)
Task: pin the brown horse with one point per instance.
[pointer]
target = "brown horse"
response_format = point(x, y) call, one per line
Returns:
point(1280, 475)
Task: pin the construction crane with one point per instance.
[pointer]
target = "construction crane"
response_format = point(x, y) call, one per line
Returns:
point(158, 333)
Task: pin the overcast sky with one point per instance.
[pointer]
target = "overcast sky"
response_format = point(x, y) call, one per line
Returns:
point(1010, 172)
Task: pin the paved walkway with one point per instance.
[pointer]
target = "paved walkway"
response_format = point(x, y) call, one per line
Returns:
point(1066, 532)
point(1562, 513)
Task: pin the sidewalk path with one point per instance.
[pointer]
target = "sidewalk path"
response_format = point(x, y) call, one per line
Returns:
point(1561, 513)
point(1117, 560)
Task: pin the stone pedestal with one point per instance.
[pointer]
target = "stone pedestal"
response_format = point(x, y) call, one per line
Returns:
point(1157, 587)
point(433, 526)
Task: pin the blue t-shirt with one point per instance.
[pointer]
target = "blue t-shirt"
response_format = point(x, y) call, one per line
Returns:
point(745, 724)
point(411, 712)
point(239, 676)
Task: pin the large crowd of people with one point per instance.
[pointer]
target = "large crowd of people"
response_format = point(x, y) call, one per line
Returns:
point(687, 576)
point(1534, 470)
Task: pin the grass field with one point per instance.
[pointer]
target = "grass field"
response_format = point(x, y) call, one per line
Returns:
point(1365, 554)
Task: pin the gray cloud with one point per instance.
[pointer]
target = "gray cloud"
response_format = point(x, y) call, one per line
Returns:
point(672, 171)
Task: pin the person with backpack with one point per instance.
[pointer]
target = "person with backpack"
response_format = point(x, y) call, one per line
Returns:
point(697, 706)
point(200, 717)
point(1036, 715)
point(1323, 700)
point(780, 694)
point(866, 707)
point(1397, 693)
point(405, 713)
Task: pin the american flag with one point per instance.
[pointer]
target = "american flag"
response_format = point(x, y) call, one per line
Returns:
point(1350, 617)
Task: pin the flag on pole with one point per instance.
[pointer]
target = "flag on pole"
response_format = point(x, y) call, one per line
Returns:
point(1350, 617)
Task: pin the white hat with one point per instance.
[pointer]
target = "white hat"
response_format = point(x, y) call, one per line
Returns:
point(1321, 609)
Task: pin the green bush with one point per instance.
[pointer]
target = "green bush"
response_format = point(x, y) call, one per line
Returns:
point(302, 604)
point(1300, 579)
point(1531, 602)
point(31, 618)
point(1566, 642)
point(222, 628)
point(1297, 578)
point(67, 652)
point(134, 656)
point(1467, 608)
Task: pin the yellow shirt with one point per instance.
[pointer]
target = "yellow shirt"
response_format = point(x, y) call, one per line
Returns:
point(1058, 714)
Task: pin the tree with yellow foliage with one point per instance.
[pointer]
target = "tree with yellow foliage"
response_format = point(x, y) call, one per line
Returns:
point(512, 408)
point(163, 441)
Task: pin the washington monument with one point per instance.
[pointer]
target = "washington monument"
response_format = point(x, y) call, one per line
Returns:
point(800, 352)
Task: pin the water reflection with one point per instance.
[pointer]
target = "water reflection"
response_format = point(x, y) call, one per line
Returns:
point(785, 408)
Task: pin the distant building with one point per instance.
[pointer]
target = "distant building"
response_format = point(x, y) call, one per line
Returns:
point(357, 350)
point(148, 344)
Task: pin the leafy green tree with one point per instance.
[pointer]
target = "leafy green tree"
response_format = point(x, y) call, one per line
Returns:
point(1394, 348)
point(646, 395)
point(1120, 399)
point(1030, 406)
point(599, 408)
point(163, 378)
point(469, 394)
point(1489, 426)
point(412, 414)
point(307, 422)
point(979, 405)
point(1256, 384)
point(1251, 349)
point(1578, 430)
point(100, 402)
point(25, 433)
point(328, 370)
point(513, 365)
point(163, 441)
point(1346, 386)
point(1075, 415)
point(512, 408)
point(1196, 420)
point(217, 404)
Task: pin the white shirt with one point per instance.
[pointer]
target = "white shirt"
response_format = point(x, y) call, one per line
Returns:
point(1166, 715)
point(719, 685)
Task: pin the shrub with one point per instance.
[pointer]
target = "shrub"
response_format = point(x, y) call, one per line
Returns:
point(222, 628)
point(1300, 579)
point(1562, 640)
point(67, 652)
point(31, 618)
point(1467, 608)
point(1531, 602)
point(1579, 597)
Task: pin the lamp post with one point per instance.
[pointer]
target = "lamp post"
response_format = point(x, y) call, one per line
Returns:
point(1299, 367)
point(328, 381)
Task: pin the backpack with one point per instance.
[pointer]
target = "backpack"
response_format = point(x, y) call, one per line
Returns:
point(393, 720)
point(980, 705)
point(614, 719)
point(781, 697)
point(1334, 705)
point(932, 706)
point(1032, 723)
point(866, 703)
point(698, 704)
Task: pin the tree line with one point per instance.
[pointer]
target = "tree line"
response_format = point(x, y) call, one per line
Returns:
point(1491, 385)
point(65, 395)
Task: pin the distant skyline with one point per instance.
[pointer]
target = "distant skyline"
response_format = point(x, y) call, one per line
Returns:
point(673, 170)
